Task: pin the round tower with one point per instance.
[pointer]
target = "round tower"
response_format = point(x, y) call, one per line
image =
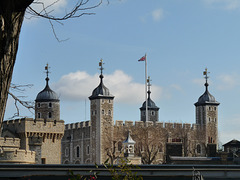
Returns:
point(207, 113)
point(101, 120)
point(47, 103)
point(151, 107)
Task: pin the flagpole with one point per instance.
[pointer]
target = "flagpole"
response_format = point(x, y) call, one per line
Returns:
point(146, 87)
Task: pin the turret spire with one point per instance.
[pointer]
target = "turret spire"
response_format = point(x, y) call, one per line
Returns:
point(101, 69)
point(205, 73)
point(149, 85)
point(47, 72)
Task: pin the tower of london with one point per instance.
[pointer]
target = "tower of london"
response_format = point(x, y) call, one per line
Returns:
point(46, 140)
point(101, 138)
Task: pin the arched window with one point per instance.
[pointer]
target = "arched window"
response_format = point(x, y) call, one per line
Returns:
point(49, 115)
point(78, 152)
point(103, 112)
point(66, 151)
point(50, 105)
point(39, 104)
point(153, 113)
point(199, 149)
point(109, 112)
point(88, 150)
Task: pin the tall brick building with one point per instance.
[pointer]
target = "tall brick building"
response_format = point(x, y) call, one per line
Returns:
point(101, 138)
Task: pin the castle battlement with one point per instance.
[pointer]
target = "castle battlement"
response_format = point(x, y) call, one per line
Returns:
point(167, 125)
point(9, 142)
point(34, 125)
point(77, 125)
point(18, 156)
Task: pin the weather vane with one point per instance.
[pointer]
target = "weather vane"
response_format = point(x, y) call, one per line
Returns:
point(47, 69)
point(148, 83)
point(205, 73)
point(101, 65)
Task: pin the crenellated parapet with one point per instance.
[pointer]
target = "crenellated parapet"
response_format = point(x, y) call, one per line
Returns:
point(9, 142)
point(10, 152)
point(25, 125)
point(166, 125)
point(79, 125)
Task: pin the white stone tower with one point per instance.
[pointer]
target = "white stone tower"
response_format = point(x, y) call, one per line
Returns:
point(101, 120)
point(207, 114)
point(152, 108)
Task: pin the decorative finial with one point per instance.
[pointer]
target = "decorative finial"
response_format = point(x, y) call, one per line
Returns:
point(205, 73)
point(47, 72)
point(149, 85)
point(101, 68)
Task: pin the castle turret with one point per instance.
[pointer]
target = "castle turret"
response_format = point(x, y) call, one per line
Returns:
point(207, 113)
point(151, 107)
point(101, 120)
point(47, 129)
point(47, 104)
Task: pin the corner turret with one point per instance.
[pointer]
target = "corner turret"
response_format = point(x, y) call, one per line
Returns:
point(207, 115)
point(47, 103)
point(151, 107)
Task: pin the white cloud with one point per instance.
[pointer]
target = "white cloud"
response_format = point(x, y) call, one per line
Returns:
point(157, 14)
point(228, 81)
point(199, 81)
point(223, 4)
point(79, 85)
point(176, 87)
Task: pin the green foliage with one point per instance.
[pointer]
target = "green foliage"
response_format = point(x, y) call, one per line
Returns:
point(123, 171)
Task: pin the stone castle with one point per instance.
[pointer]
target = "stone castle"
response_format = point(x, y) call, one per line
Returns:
point(101, 138)
point(46, 140)
point(35, 140)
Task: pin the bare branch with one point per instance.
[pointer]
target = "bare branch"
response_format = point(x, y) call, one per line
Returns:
point(19, 99)
point(76, 12)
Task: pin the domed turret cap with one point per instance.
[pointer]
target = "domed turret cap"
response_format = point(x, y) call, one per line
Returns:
point(47, 94)
point(206, 98)
point(150, 103)
point(101, 91)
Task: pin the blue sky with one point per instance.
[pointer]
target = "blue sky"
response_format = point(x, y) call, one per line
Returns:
point(181, 38)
